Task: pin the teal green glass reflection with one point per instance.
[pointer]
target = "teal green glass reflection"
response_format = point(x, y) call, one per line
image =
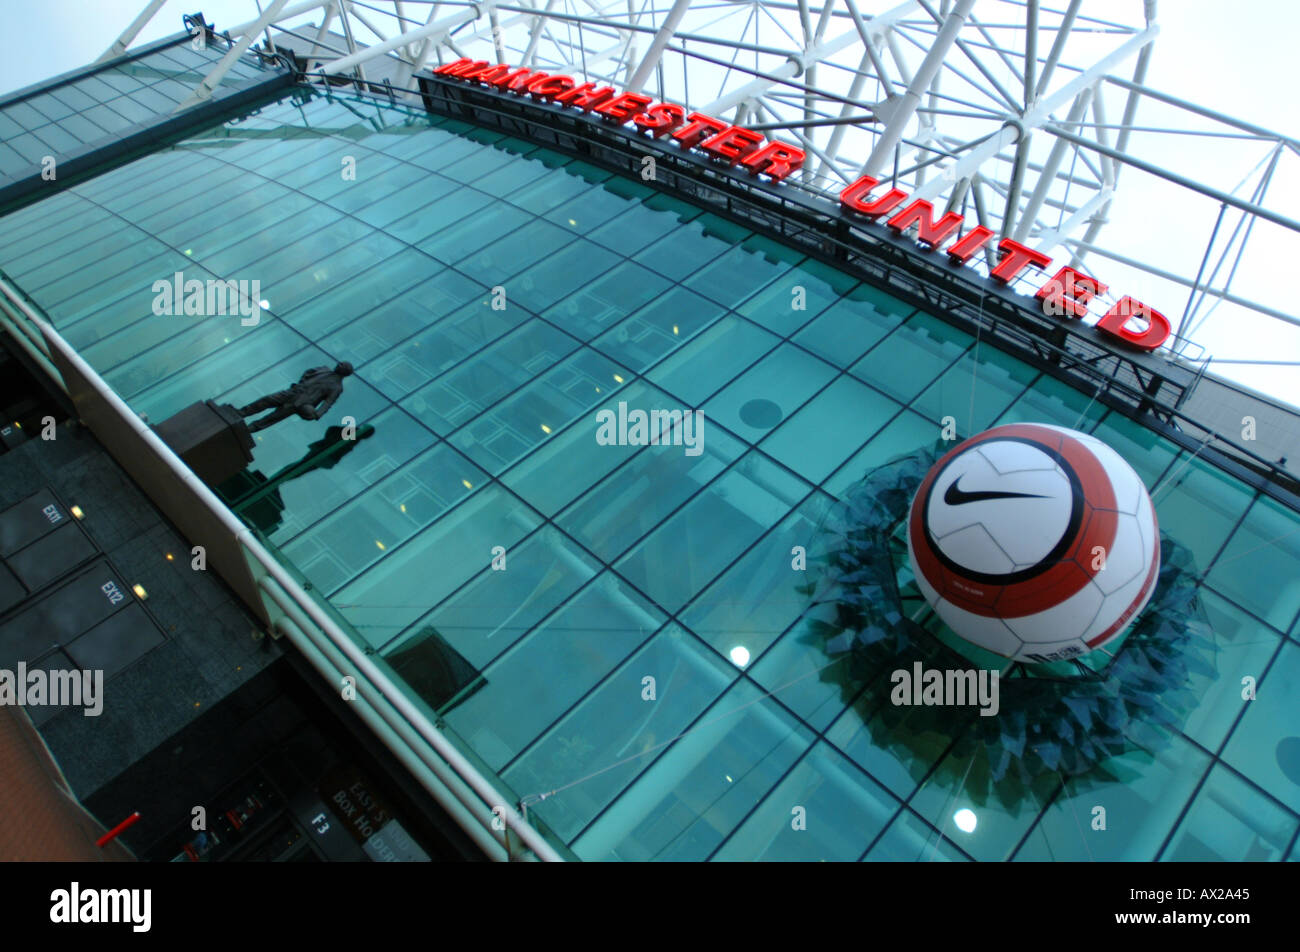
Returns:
point(493, 297)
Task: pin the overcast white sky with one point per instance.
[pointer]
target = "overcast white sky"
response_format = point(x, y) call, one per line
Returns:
point(1237, 58)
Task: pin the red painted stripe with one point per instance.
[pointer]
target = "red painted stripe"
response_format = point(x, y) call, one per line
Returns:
point(117, 830)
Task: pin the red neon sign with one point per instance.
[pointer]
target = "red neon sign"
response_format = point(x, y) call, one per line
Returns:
point(1066, 293)
point(714, 137)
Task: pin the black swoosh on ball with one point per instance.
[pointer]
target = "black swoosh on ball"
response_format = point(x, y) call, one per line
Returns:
point(954, 496)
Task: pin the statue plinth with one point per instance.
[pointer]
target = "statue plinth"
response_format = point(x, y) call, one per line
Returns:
point(211, 438)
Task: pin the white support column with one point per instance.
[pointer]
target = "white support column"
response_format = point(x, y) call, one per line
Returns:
point(256, 26)
point(1054, 55)
point(792, 68)
point(433, 32)
point(1040, 113)
point(636, 81)
point(903, 112)
point(330, 12)
point(407, 70)
point(205, 89)
point(131, 32)
point(1047, 176)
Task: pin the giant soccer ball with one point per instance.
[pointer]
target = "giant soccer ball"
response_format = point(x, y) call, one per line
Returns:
point(1033, 541)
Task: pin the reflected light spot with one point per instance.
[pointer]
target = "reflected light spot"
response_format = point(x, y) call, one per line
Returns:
point(467, 484)
point(170, 557)
point(76, 512)
point(618, 378)
point(675, 331)
point(381, 546)
point(740, 656)
point(545, 428)
point(402, 507)
point(139, 591)
point(965, 820)
point(265, 305)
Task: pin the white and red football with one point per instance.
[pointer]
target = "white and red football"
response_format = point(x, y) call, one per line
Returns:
point(1035, 542)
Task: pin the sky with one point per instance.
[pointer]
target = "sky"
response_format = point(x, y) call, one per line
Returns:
point(1239, 64)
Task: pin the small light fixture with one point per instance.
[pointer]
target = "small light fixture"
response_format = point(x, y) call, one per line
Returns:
point(170, 557)
point(140, 593)
point(618, 378)
point(467, 484)
point(740, 656)
point(965, 820)
point(76, 512)
point(381, 546)
point(545, 428)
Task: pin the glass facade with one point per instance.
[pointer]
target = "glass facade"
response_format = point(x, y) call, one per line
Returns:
point(94, 108)
point(494, 296)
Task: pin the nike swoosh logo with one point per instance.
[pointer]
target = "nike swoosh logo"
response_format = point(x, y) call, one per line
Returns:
point(955, 496)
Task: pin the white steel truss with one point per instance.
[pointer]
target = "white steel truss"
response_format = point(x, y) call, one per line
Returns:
point(1021, 114)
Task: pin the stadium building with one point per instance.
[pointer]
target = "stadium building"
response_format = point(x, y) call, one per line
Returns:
point(635, 301)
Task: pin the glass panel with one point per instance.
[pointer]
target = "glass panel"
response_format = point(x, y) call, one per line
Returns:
point(659, 328)
point(841, 809)
point(905, 362)
point(703, 787)
point(721, 352)
point(1139, 811)
point(1260, 566)
point(602, 301)
point(395, 510)
point(976, 390)
point(618, 511)
point(608, 741)
point(1051, 401)
point(1229, 821)
point(769, 392)
point(1198, 505)
point(737, 274)
point(1265, 745)
point(757, 598)
point(797, 296)
point(415, 576)
point(465, 391)
point(691, 245)
point(905, 433)
point(530, 415)
point(1244, 645)
point(852, 325)
point(567, 464)
point(829, 428)
point(910, 839)
point(715, 527)
point(497, 608)
point(548, 671)
point(998, 827)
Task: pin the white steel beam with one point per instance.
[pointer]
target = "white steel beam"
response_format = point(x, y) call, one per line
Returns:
point(432, 31)
point(131, 32)
point(903, 112)
point(1040, 113)
point(205, 88)
point(1047, 177)
point(798, 62)
point(636, 82)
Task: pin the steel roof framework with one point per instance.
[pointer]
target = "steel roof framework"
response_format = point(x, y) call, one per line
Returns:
point(1019, 114)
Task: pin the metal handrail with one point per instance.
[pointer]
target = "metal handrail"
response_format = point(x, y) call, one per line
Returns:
point(498, 805)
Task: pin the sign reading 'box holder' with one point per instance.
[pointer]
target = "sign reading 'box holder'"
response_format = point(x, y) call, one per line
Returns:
point(1065, 294)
